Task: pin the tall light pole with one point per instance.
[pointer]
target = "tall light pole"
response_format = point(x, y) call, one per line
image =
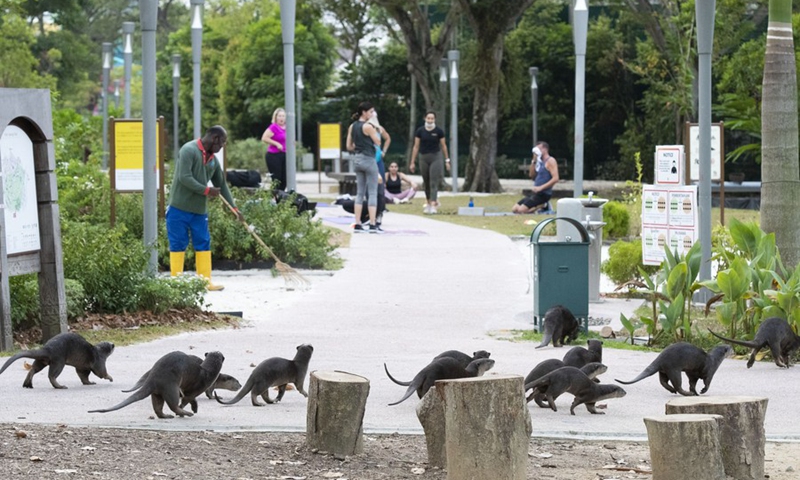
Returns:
point(197, 51)
point(116, 93)
point(580, 28)
point(534, 102)
point(176, 90)
point(443, 81)
point(453, 57)
point(288, 15)
point(127, 52)
point(148, 17)
point(704, 12)
point(106, 74)
point(299, 87)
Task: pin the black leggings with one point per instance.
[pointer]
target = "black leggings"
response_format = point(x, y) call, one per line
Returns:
point(276, 164)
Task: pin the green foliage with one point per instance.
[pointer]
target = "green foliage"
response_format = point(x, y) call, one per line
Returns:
point(506, 167)
point(159, 294)
point(25, 309)
point(17, 62)
point(624, 263)
point(247, 154)
point(617, 220)
point(76, 298)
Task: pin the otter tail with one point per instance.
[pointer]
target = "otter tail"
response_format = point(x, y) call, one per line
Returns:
point(409, 392)
point(650, 370)
point(138, 384)
point(141, 394)
point(242, 392)
point(405, 384)
point(731, 340)
point(38, 354)
point(548, 336)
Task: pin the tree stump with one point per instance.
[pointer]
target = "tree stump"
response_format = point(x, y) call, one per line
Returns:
point(487, 427)
point(430, 412)
point(685, 446)
point(742, 434)
point(336, 405)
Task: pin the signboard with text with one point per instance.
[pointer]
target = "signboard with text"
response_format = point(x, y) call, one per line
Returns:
point(19, 192)
point(128, 155)
point(669, 217)
point(330, 141)
point(717, 151)
point(669, 165)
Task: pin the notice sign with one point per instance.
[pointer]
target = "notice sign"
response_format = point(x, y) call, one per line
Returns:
point(654, 239)
point(128, 156)
point(669, 164)
point(19, 192)
point(681, 240)
point(654, 205)
point(330, 141)
point(717, 151)
point(683, 207)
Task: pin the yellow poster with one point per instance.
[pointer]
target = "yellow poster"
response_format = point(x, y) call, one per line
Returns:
point(330, 140)
point(129, 156)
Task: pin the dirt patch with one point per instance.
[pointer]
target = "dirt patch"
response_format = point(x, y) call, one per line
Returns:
point(43, 452)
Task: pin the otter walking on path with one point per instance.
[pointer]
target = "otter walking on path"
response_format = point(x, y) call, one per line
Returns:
point(175, 379)
point(579, 356)
point(776, 333)
point(444, 369)
point(461, 357)
point(685, 357)
point(272, 372)
point(592, 370)
point(560, 326)
point(576, 382)
point(66, 349)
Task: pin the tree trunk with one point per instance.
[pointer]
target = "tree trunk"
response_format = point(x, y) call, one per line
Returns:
point(336, 405)
point(685, 446)
point(742, 437)
point(487, 427)
point(430, 412)
point(780, 171)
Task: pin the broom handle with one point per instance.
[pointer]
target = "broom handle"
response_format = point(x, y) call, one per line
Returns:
point(252, 232)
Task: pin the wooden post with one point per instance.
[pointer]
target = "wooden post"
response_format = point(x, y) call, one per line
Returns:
point(487, 427)
point(336, 405)
point(742, 436)
point(685, 446)
point(430, 412)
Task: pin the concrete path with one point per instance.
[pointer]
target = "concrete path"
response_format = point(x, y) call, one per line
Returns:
point(403, 297)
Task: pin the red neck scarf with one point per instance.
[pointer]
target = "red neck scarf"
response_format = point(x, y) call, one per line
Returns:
point(206, 156)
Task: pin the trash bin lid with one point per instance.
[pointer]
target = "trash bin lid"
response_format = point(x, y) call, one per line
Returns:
point(537, 231)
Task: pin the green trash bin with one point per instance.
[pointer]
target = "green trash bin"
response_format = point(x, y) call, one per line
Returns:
point(560, 274)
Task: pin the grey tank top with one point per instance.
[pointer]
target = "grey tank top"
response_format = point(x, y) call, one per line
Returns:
point(363, 143)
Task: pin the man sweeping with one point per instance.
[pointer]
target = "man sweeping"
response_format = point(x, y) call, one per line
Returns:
point(187, 213)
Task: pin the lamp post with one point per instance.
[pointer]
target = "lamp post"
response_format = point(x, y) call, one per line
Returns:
point(704, 12)
point(127, 51)
point(534, 105)
point(288, 15)
point(116, 93)
point(197, 50)
point(148, 17)
point(299, 87)
point(580, 27)
point(106, 73)
point(176, 89)
point(443, 82)
point(453, 57)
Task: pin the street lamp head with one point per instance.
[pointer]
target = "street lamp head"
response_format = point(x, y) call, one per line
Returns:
point(443, 70)
point(299, 69)
point(106, 56)
point(453, 56)
point(127, 37)
point(534, 71)
point(197, 14)
point(176, 65)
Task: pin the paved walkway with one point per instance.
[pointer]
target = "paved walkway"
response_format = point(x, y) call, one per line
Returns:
point(424, 287)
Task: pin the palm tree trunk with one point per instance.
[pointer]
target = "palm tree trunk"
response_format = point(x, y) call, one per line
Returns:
point(780, 171)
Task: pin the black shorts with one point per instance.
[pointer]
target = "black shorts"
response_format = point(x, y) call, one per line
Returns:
point(536, 200)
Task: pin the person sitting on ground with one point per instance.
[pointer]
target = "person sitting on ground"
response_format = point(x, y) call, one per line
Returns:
point(394, 186)
point(544, 172)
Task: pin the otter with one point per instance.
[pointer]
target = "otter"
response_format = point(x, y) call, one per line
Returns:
point(685, 357)
point(175, 379)
point(579, 356)
point(278, 372)
point(776, 333)
point(576, 382)
point(66, 349)
point(560, 326)
point(461, 357)
point(592, 370)
point(444, 369)
point(223, 382)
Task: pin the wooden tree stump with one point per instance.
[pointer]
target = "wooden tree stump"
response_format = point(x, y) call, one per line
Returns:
point(685, 446)
point(487, 427)
point(336, 405)
point(430, 412)
point(742, 436)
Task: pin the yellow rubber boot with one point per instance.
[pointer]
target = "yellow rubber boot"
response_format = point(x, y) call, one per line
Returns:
point(202, 261)
point(176, 263)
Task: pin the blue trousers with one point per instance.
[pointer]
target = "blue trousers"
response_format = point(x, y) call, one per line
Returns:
point(180, 224)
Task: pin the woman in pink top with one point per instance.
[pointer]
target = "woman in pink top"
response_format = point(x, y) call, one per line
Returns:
point(275, 137)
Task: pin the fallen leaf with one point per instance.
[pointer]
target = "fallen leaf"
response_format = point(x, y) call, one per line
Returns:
point(417, 471)
point(26, 365)
point(545, 455)
point(68, 470)
point(36, 459)
point(21, 434)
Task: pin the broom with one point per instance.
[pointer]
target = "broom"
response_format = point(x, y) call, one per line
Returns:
point(289, 274)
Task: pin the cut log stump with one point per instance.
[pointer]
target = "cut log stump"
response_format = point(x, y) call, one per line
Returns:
point(430, 412)
point(336, 405)
point(685, 446)
point(487, 427)
point(742, 435)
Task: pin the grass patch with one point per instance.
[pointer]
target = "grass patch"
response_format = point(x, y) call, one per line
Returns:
point(135, 335)
point(618, 344)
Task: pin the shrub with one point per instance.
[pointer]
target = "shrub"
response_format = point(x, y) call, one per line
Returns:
point(159, 294)
point(617, 220)
point(76, 298)
point(624, 261)
point(247, 154)
point(507, 167)
point(25, 309)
